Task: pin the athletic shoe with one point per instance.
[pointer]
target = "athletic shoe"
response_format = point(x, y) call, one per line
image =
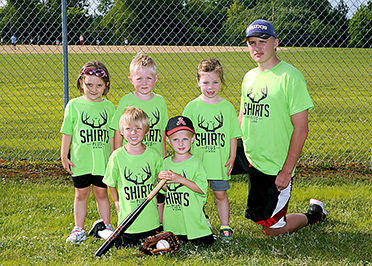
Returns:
point(77, 235)
point(106, 233)
point(226, 234)
point(316, 206)
point(97, 226)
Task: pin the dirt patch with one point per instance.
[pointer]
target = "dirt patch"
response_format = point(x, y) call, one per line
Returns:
point(37, 171)
point(32, 171)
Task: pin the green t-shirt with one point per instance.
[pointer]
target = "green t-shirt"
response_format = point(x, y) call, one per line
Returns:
point(215, 125)
point(268, 101)
point(156, 109)
point(89, 125)
point(134, 177)
point(183, 208)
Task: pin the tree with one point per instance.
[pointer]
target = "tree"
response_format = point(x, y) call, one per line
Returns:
point(204, 20)
point(18, 18)
point(41, 20)
point(298, 22)
point(360, 27)
point(154, 22)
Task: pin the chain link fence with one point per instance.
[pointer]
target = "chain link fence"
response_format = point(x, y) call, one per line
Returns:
point(329, 41)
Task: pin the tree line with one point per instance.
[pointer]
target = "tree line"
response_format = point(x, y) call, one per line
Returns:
point(189, 22)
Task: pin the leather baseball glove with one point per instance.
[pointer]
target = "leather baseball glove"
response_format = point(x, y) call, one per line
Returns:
point(149, 244)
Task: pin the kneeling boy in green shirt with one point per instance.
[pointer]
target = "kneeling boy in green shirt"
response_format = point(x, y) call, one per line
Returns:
point(186, 187)
point(131, 175)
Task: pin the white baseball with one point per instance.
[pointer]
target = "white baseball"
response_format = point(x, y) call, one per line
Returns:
point(162, 244)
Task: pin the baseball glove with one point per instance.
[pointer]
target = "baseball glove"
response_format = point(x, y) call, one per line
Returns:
point(149, 244)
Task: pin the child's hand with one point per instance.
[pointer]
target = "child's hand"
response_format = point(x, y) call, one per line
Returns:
point(174, 178)
point(230, 165)
point(170, 176)
point(67, 164)
point(163, 175)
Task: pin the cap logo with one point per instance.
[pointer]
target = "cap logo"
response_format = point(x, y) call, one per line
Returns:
point(180, 121)
point(261, 27)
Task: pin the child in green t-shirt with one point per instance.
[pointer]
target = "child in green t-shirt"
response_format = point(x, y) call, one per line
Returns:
point(130, 176)
point(217, 129)
point(87, 136)
point(186, 188)
point(143, 76)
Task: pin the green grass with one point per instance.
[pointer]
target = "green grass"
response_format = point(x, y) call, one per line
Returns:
point(31, 98)
point(37, 216)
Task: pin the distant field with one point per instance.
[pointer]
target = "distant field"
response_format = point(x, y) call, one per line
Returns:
point(339, 81)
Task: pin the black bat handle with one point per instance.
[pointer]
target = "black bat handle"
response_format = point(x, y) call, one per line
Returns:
point(128, 221)
point(121, 228)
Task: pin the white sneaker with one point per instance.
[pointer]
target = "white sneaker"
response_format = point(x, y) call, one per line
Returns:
point(106, 233)
point(317, 206)
point(77, 235)
point(97, 226)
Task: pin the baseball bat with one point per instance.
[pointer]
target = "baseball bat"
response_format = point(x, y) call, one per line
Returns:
point(128, 220)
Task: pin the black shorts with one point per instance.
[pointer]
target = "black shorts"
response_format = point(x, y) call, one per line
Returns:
point(83, 181)
point(204, 240)
point(241, 163)
point(160, 198)
point(126, 240)
point(266, 205)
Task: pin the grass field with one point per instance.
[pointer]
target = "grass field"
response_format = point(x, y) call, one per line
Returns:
point(339, 81)
point(37, 216)
point(37, 197)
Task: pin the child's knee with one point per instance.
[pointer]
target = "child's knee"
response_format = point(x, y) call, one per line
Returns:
point(274, 231)
point(82, 194)
point(100, 193)
point(220, 195)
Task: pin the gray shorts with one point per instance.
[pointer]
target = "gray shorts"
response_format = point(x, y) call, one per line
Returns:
point(219, 185)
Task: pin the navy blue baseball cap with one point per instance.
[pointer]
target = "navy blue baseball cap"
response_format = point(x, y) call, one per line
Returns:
point(260, 28)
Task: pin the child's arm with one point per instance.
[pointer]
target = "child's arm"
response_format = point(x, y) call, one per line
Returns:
point(163, 175)
point(65, 147)
point(115, 198)
point(176, 178)
point(240, 117)
point(164, 145)
point(118, 140)
point(231, 160)
point(112, 144)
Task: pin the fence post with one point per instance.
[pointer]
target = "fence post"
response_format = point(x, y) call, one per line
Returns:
point(65, 53)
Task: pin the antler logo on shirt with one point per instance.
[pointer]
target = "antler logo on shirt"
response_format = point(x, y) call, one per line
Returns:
point(138, 179)
point(94, 122)
point(155, 121)
point(253, 95)
point(211, 126)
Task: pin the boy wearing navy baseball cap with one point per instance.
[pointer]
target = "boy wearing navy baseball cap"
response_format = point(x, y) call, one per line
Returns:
point(186, 187)
point(262, 29)
point(274, 120)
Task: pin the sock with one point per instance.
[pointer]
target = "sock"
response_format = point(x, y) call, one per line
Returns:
point(225, 227)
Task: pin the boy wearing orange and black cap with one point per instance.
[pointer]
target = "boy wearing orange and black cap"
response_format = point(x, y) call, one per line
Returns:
point(186, 188)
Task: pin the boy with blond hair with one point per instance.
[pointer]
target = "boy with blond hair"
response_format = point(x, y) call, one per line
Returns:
point(131, 175)
point(186, 187)
point(143, 76)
